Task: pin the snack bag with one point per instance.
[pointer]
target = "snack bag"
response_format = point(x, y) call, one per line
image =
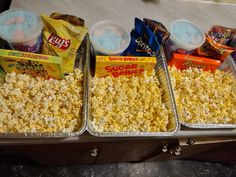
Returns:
point(221, 34)
point(63, 36)
point(214, 50)
point(158, 29)
point(143, 41)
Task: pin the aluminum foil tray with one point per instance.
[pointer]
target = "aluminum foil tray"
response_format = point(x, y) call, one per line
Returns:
point(230, 67)
point(163, 75)
point(82, 55)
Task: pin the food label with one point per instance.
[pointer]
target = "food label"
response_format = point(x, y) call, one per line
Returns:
point(62, 37)
point(183, 61)
point(123, 65)
point(214, 50)
point(45, 66)
point(59, 42)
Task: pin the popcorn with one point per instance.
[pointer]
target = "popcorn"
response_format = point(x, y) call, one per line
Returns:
point(203, 97)
point(134, 104)
point(32, 104)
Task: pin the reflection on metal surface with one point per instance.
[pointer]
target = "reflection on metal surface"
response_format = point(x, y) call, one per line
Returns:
point(223, 2)
point(200, 141)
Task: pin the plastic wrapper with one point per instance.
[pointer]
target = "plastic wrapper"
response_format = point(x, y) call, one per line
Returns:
point(63, 36)
point(158, 29)
point(214, 50)
point(221, 34)
point(143, 41)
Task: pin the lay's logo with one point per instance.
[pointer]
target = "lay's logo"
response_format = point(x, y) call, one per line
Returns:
point(59, 42)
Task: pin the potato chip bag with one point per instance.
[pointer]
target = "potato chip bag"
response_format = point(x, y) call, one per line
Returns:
point(63, 36)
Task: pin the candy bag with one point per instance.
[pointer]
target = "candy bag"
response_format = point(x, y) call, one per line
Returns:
point(143, 41)
point(221, 34)
point(63, 36)
point(214, 50)
point(158, 29)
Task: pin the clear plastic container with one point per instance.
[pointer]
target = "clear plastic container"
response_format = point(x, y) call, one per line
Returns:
point(109, 38)
point(21, 29)
point(186, 35)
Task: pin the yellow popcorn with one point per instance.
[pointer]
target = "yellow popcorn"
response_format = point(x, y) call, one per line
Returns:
point(122, 104)
point(203, 97)
point(29, 104)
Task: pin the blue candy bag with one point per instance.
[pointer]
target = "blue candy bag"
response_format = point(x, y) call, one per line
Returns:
point(143, 41)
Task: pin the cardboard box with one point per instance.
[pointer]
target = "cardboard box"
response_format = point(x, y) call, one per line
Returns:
point(46, 66)
point(123, 65)
point(184, 61)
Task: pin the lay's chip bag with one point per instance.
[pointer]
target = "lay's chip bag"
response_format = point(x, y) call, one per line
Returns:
point(62, 36)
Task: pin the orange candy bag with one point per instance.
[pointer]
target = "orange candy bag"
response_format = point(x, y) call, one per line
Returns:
point(214, 50)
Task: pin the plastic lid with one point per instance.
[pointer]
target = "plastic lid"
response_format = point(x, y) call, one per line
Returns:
point(19, 25)
point(186, 35)
point(109, 37)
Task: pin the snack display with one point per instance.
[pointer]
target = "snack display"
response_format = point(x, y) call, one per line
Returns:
point(109, 38)
point(52, 86)
point(116, 66)
point(21, 29)
point(62, 37)
point(31, 104)
point(128, 105)
point(203, 97)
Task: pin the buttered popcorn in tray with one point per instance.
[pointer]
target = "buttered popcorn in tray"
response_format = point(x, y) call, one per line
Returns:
point(42, 91)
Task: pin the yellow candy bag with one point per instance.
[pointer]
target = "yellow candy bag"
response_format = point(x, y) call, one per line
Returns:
point(62, 36)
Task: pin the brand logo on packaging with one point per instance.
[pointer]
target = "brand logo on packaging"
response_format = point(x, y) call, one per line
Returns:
point(144, 47)
point(59, 42)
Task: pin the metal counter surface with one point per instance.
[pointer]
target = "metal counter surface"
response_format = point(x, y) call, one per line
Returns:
point(86, 137)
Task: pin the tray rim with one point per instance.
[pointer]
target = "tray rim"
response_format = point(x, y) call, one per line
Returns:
point(209, 126)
